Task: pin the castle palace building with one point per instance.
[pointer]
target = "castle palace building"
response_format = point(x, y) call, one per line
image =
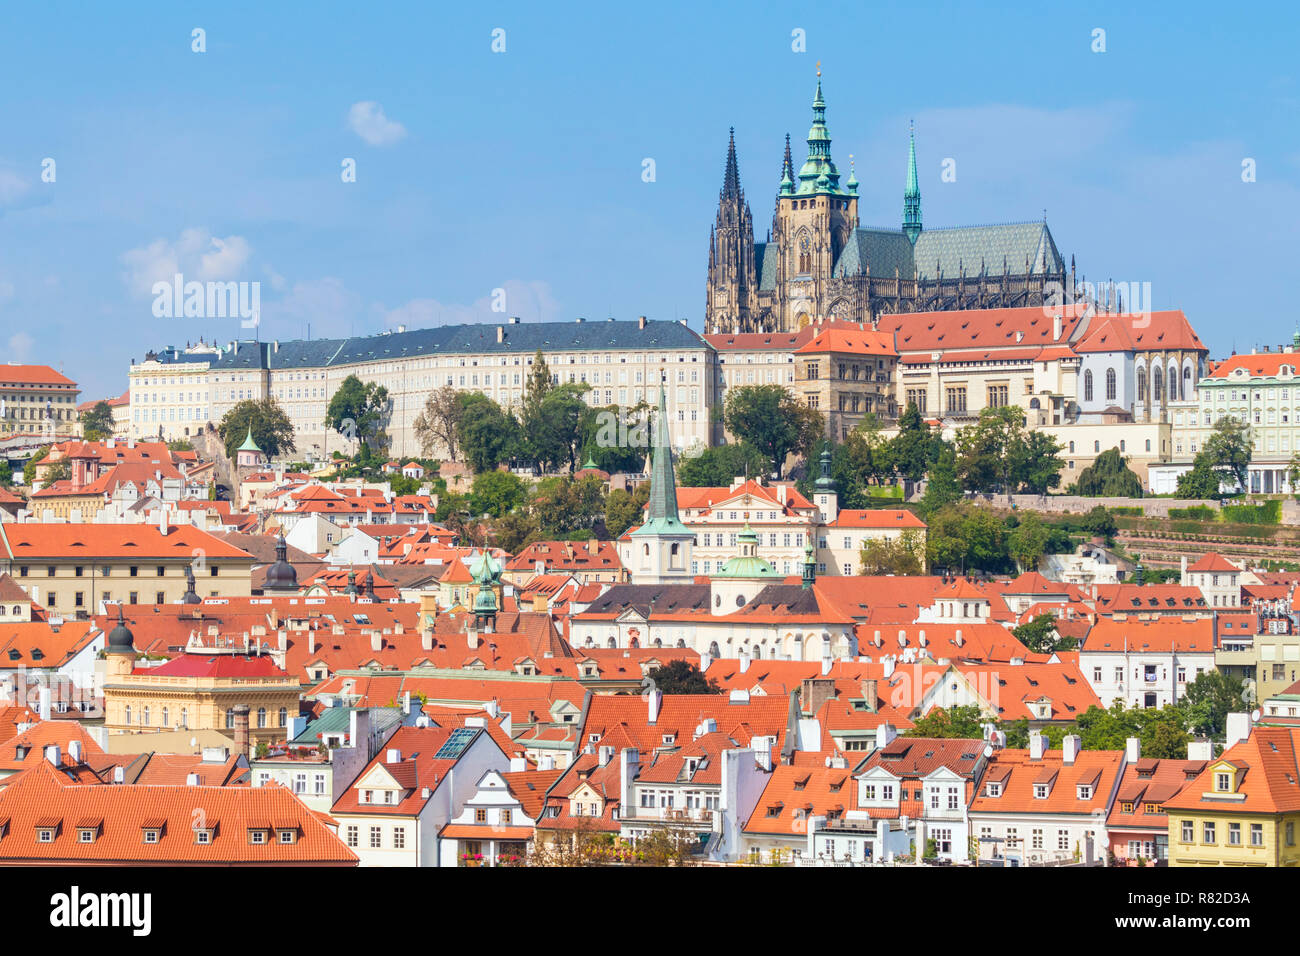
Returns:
point(819, 263)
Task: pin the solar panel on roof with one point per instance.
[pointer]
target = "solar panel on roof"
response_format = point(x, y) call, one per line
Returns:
point(455, 744)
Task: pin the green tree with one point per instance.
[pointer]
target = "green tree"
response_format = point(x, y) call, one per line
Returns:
point(437, 425)
point(59, 471)
point(772, 420)
point(989, 451)
point(552, 427)
point(487, 435)
point(6, 473)
point(912, 449)
point(515, 529)
point(1109, 477)
point(719, 465)
point(1211, 697)
point(1039, 635)
point(624, 509)
point(1040, 464)
point(615, 438)
point(1027, 542)
point(954, 722)
point(496, 492)
point(1099, 522)
point(97, 424)
point(1229, 449)
point(902, 555)
point(29, 469)
point(272, 430)
point(682, 677)
point(357, 411)
point(1202, 481)
point(942, 486)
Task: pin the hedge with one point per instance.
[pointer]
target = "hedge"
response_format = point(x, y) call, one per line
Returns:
point(1270, 512)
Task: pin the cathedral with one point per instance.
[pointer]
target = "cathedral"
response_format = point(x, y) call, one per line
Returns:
point(818, 263)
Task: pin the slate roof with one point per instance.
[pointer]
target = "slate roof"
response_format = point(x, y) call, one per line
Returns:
point(451, 339)
point(948, 251)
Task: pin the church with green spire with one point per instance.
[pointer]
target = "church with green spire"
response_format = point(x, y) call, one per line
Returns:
point(819, 263)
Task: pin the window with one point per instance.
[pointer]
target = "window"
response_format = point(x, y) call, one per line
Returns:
point(1257, 834)
point(1189, 831)
point(399, 838)
point(1209, 832)
point(1110, 385)
point(1234, 834)
point(480, 815)
point(1040, 791)
point(1087, 385)
point(374, 838)
point(257, 836)
point(203, 836)
point(351, 836)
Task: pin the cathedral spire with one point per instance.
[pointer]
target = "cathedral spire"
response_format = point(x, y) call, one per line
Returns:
point(818, 173)
point(787, 170)
point(731, 178)
point(912, 195)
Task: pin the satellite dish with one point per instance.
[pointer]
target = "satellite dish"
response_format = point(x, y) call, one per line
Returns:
point(1255, 715)
point(988, 750)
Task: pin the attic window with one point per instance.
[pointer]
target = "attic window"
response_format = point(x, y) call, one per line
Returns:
point(774, 810)
point(1085, 791)
point(1040, 791)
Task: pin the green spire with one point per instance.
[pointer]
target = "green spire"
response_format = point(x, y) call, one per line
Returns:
point(809, 565)
point(825, 483)
point(787, 170)
point(852, 184)
point(661, 514)
point(912, 195)
point(249, 444)
point(818, 173)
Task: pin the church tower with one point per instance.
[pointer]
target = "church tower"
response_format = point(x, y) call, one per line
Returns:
point(912, 194)
point(661, 548)
point(733, 279)
point(815, 220)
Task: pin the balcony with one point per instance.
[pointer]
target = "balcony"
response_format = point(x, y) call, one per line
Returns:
point(674, 815)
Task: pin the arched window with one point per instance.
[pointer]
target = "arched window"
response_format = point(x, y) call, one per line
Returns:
point(1157, 385)
point(713, 650)
point(612, 643)
point(1071, 448)
point(1087, 385)
point(284, 717)
point(261, 717)
point(1142, 386)
point(1173, 384)
point(1110, 385)
point(1096, 447)
point(1187, 380)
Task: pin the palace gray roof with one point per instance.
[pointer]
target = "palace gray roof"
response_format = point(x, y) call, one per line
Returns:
point(610, 335)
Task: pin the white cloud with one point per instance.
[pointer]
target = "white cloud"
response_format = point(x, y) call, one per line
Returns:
point(329, 306)
point(531, 300)
point(368, 121)
point(196, 254)
point(20, 346)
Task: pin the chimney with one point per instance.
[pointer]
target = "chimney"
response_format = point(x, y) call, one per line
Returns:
point(1202, 749)
point(870, 694)
point(493, 708)
point(74, 751)
point(518, 764)
point(406, 702)
point(629, 764)
point(744, 661)
point(546, 762)
point(426, 639)
point(1071, 744)
point(119, 774)
point(957, 638)
point(640, 321)
point(191, 780)
point(1056, 328)
point(53, 755)
point(653, 700)
point(311, 643)
point(501, 333)
point(606, 754)
point(376, 641)
point(1037, 745)
point(1133, 750)
point(885, 734)
point(814, 692)
point(43, 702)
point(1238, 729)
point(471, 637)
point(241, 728)
point(826, 660)
point(763, 752)
point(393, 756)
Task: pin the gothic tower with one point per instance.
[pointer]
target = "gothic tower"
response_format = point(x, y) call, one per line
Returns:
point(661, 547)
point(815, 219)
point(912, 194)
point(733, 282)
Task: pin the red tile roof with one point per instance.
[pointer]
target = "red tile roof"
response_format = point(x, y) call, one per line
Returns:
point(72, 541)
point(849, 338)
point(877, 518)
point(11, 374)
point(1018, 774)
point(1270, 778)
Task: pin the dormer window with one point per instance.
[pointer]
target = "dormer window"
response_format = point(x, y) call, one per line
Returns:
point(1040, 791)
point(257, 835)
point(1085, 791)
point(1223, 782)
point(669, 738)
point(287, 834)
point(993, 790)
point(204, 835)
point(151, 834)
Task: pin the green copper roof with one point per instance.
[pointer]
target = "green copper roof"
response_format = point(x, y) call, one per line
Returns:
point(249, 444)
point(485, 602)
point(818, 173)
point(661, 513)
point(485, 570)
point(747, 564)
point(825, 483)
point(912, 195)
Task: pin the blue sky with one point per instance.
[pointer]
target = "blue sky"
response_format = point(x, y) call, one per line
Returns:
point(522, 170)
